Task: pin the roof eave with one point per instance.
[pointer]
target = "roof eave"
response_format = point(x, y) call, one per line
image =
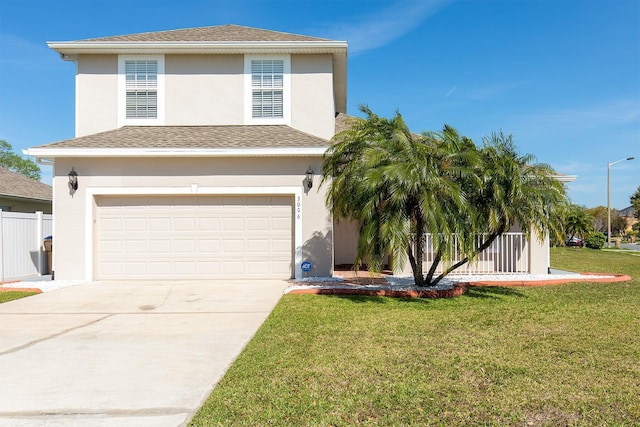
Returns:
point(565, 178)
point(79, 47)
point(21, 197)
point(50, 153)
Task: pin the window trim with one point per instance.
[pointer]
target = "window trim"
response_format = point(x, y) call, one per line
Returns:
point(122, 91)
point(286, 91)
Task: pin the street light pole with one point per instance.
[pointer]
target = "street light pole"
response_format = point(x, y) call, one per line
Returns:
point(609, 164)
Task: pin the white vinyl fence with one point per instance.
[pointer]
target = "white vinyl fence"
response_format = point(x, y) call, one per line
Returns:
point(21, 244)
point(508, 254)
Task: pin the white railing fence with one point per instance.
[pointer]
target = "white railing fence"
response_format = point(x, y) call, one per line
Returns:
point(21, 244)
point(508, 254)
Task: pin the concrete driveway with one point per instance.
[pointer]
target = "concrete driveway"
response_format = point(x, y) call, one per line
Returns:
point(124, 354)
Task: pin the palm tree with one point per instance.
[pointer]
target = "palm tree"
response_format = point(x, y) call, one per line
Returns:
point(577, 221)
point(514, 190)
point(397, 186)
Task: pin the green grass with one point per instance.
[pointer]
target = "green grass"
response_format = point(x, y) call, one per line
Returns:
point(11, 295)
point(558, 355)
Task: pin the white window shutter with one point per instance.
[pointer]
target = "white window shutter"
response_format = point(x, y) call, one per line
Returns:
point(266, 75)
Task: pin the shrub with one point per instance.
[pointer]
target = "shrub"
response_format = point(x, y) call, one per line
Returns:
point(595, 240)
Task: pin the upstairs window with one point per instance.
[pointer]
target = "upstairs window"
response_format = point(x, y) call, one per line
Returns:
point(141, 89)
point(267, 84)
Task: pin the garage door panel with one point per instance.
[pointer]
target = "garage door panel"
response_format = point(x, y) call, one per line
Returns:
point(233, 245)
point(158, 247)
point(232, 224)
point(208, 224)
point(162, 225)
point(257, 224)
point(111, 246)
point(185, 268)
point(135, 268)
point(233, 267)
point(111, 224)
point(258, 245)
point(194, 237)
point(281, 246)
point(135, 247)
point(209, 246)
point(183, 246)
point(184, 224)
point(162, 268)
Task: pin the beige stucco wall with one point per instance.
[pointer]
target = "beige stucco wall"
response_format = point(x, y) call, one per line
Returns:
point(312, 102)
point(70, 256)
point(205, 90)
point(96, 94)
point(539, 254)
point(22, 205)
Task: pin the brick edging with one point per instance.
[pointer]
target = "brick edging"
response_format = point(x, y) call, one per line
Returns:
point(36, 290)
point(532, 283)
point(459, 288)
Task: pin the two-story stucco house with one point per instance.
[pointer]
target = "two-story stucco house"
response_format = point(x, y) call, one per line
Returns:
point(197, 155)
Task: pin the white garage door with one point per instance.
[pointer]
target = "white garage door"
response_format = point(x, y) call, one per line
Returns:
point(204, 237)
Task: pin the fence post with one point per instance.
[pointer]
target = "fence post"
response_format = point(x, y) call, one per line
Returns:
point(1, 249)
point(39, 238)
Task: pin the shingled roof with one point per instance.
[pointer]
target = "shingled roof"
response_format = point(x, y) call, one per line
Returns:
point(219, 33)
point(195, 137)
point(15, 185)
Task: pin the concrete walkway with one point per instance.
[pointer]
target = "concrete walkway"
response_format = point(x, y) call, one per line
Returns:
point(124, 354)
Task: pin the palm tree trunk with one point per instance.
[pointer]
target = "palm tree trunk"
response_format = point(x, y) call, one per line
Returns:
point(417, 272)
point(492, 237)
point(434, 266)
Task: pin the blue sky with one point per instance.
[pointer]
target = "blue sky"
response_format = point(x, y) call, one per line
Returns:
point(562, 76)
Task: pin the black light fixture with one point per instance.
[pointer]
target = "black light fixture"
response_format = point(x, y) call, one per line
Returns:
point(309, 177)
point(73, 180)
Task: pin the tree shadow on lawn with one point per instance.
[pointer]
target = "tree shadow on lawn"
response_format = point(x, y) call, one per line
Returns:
point(492, 292)
point(480, 292)
point(373, 299)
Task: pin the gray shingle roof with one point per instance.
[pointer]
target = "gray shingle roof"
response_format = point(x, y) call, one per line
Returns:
point(220, 33)
point(196, 137)
point(629, 212)
point(15, 185)
point(343, 122)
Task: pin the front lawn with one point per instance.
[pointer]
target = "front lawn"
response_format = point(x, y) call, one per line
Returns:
point(6, 296)
point(557, 355)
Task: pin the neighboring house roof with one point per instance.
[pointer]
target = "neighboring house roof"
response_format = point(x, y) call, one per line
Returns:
point(628, 212)
point(188, 141)
point(15, 185)
point(227, 33)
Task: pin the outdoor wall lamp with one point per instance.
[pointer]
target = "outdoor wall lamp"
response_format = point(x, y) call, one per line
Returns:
point(73, 180)
point(309, 177)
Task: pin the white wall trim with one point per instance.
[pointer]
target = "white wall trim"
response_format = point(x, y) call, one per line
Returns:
point(92, 192)
point(122, 100)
